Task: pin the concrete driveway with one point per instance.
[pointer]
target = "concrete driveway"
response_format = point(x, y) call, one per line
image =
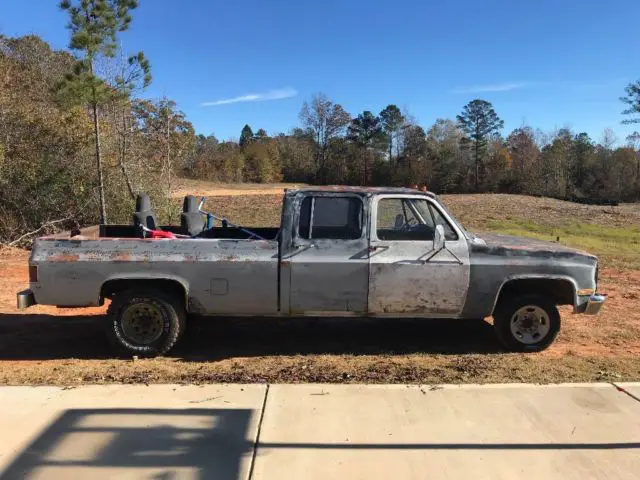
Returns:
point(321, 431)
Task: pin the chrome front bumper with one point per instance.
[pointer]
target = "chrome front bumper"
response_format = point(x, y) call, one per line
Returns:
point(25, 299)
point(595, 304)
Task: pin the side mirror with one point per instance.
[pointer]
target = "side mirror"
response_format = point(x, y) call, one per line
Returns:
point(438, 238)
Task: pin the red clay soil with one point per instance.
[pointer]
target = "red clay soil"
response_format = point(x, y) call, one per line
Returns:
point(67, 346)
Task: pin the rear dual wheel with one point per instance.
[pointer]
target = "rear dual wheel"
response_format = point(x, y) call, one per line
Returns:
point(145, 322)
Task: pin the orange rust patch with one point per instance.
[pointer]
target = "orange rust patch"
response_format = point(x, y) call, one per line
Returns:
point(121, 257)
point(63, 257)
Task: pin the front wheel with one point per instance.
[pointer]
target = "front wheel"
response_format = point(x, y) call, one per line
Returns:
point(528, 323)
point(145, 322)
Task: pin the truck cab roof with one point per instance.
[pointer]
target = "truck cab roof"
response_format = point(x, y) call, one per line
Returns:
point(358, 190)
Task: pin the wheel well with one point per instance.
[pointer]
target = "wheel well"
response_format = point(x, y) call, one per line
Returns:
point(562, 291)
point(112, 287)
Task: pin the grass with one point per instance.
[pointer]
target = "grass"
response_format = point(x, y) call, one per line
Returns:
point(411, 369)
point(617, 246)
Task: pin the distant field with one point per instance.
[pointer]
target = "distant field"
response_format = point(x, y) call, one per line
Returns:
point(210, 189)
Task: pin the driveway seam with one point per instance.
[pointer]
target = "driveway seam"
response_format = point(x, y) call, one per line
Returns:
point(623, 390)
point(257, 440)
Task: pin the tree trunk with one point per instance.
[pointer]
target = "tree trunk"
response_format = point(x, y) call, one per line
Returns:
point(168, 157)
point(366, 158)
point(477, 163)
point(96, 132)
point(638, 172)
point(123, 157)
point(319, 148)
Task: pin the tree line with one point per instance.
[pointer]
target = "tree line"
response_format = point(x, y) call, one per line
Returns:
point(468, 154)
point(78, 140)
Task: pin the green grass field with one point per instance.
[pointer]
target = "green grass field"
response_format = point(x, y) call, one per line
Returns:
point(616, 246)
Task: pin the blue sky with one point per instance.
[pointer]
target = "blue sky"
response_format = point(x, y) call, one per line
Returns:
point(549, 63)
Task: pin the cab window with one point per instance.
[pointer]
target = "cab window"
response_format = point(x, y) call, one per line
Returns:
point(409, 219)
point(329, 217)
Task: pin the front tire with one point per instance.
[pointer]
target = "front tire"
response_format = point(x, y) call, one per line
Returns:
point(527, 323)
point(145, 322)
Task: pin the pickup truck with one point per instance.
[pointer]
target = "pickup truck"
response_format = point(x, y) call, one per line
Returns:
point(339, 251)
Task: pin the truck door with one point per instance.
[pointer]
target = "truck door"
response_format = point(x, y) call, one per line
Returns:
point(407, 276)
point(328, 263)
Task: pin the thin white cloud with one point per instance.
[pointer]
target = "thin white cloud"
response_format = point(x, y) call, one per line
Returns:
point(278, 94)
point(495, 87)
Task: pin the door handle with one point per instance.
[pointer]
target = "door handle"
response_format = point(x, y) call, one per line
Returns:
point(303, 245)
point(377, 248)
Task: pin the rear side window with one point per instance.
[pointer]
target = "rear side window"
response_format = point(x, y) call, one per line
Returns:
point(338, 218)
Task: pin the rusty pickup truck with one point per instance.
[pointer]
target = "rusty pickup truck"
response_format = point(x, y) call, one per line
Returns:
point(339, 251)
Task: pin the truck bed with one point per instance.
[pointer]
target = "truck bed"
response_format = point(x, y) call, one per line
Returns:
point(131, 231)
point(216, 274)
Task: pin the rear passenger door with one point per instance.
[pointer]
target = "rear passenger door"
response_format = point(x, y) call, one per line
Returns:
point(328, 261)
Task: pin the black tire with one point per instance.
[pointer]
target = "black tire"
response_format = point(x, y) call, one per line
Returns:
point(165, 322)
point(507, 308)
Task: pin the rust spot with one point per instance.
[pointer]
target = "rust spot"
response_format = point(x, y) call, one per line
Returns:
point(63, 257)
point(120, 257)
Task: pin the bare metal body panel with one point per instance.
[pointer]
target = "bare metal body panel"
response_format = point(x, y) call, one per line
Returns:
point(297, 276)
point(219, 276)
point(409, 278)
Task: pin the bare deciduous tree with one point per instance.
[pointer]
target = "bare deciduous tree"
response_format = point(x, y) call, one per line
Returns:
point(324, 120)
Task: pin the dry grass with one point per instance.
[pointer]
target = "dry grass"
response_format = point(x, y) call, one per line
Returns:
point(67, 347)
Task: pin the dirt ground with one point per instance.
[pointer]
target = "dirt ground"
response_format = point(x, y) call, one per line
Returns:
point(47, 345)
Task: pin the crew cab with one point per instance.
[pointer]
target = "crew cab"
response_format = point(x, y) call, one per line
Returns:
point(339, 251)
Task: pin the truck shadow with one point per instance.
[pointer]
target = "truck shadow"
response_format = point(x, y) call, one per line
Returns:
point(245, 337)
point(41, 336)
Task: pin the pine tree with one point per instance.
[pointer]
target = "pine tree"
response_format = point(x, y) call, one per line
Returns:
point(261, 135)
point(366, 132)
point(392, 121)
point(245, 136)
point(94, 25)
point(633, 100)
point(479, 121)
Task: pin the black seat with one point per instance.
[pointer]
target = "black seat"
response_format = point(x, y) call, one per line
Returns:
point(144, 214)
point(191, 220)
